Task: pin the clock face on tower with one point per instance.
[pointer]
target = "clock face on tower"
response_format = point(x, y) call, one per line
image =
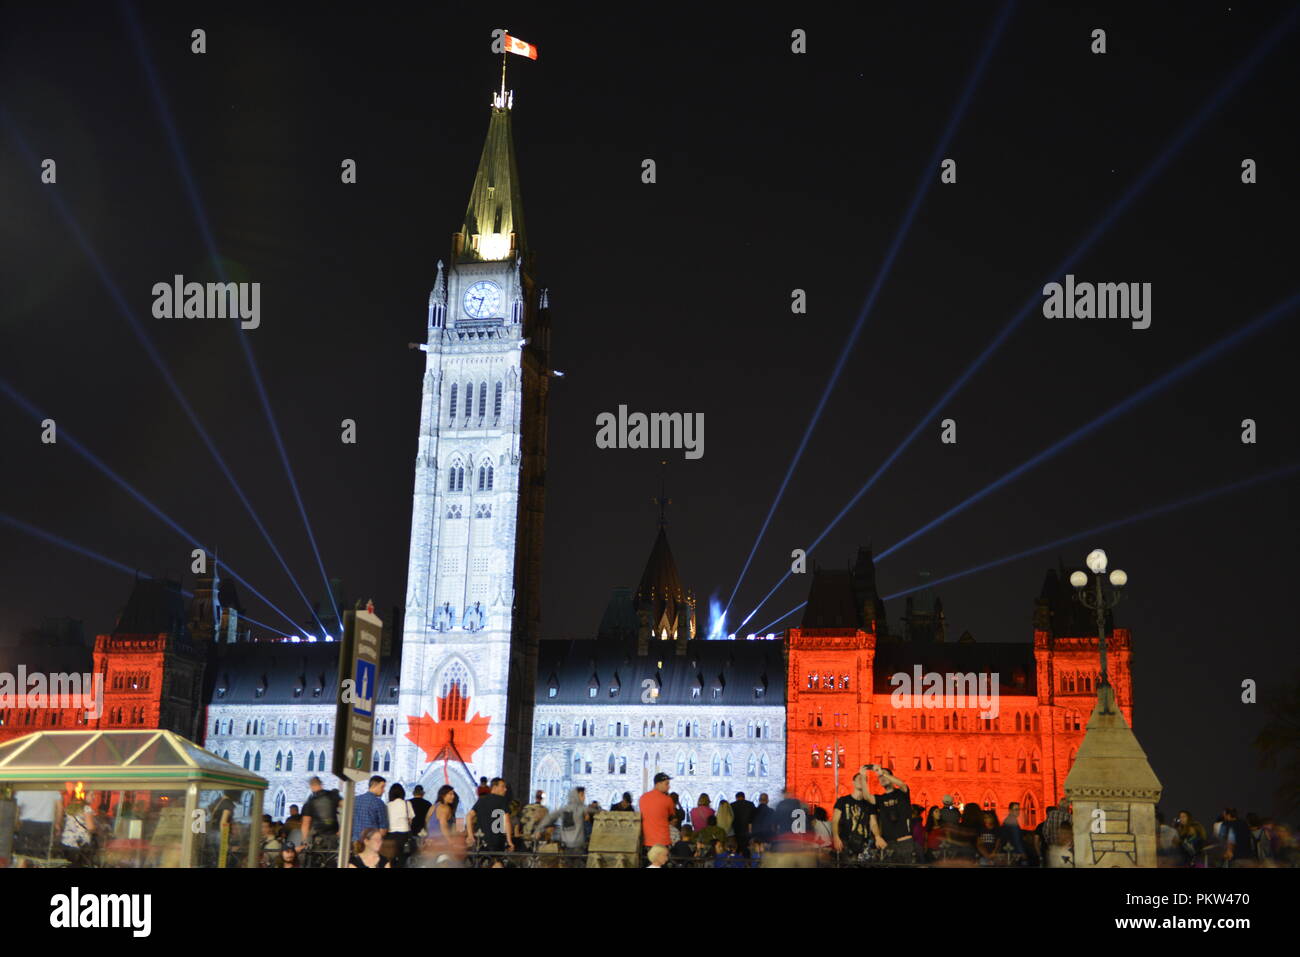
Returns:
point(482, 299)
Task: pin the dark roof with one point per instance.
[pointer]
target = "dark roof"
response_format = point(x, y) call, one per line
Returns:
point(36, 651)
point(1012, 661)
point(1058, 612)
point(743, 666)
point(280, 669)
point(831, 602)
point(619, 621)
point(156, 607)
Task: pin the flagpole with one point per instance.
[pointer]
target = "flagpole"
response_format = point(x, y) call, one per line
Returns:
point(505, 50)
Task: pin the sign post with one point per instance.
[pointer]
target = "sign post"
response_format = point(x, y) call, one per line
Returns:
point(354, 725)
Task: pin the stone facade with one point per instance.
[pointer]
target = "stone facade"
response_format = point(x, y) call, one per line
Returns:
point(472, 594)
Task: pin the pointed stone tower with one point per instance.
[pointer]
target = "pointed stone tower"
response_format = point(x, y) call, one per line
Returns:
point(473, 608)
point(1113, 792)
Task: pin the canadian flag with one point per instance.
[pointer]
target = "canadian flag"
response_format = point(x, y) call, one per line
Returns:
point(516, 45)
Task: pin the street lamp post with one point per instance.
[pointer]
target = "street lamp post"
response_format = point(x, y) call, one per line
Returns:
point(1099, 602)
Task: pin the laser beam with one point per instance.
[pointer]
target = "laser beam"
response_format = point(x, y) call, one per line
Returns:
point(1152, 388)
point(1283, 472)
point(764, 629)
point(196, 203)
point(1235, 79)
point(53, 539)
point(65, 437)
point(886, 267)
point(120, 301)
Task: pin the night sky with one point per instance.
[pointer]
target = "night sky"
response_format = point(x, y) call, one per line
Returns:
point(775, 171)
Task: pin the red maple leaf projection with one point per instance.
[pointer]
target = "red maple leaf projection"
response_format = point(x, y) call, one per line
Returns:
point(450, 735)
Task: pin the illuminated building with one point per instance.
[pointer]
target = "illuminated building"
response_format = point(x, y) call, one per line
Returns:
point(645, 696)
point(472, 593)
point(843, 711)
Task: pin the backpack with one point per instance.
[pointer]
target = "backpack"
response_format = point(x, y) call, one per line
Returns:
point(567, 822)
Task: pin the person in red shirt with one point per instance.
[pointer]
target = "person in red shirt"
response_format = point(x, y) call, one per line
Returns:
point(656, 811)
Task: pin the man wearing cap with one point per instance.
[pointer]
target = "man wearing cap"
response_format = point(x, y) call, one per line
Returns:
point(949, 816)
point(656, 813)
point(891, 823)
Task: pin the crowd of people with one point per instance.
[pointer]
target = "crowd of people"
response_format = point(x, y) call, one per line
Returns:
point(866, 825)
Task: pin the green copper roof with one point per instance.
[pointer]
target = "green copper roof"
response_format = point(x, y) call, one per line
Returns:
point(495, 203)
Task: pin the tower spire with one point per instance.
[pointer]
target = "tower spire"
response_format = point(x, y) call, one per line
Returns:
point(663, 501)
point(493, 229)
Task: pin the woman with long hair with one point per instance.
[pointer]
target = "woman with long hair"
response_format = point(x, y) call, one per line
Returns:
point(444, 813)
point(400, 813)
point(288, 857)
point(365, 852)
point(726, 817)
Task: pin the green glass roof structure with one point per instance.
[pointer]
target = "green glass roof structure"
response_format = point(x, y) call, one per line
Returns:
point(117, 759)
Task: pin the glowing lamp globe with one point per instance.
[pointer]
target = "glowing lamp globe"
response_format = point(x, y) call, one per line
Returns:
point(1119, 578)
point(1097, 561)
point(1078, 579)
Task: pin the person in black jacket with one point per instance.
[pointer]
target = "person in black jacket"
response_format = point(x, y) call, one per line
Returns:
point(1237, 843)
point(742, 822)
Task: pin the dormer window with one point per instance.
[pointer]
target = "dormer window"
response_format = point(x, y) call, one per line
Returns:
point(591, 692)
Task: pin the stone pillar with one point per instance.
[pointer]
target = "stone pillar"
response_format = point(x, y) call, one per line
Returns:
point(1113, 793)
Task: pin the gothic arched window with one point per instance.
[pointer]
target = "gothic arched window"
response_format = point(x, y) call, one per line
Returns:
point(1033, 761)
point(469, 401)
point(311, 760)
point(453, 405)
point(816, 757)
point(454, 693)
point(496, 404)
point(482, 399)
point(1029, 810)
